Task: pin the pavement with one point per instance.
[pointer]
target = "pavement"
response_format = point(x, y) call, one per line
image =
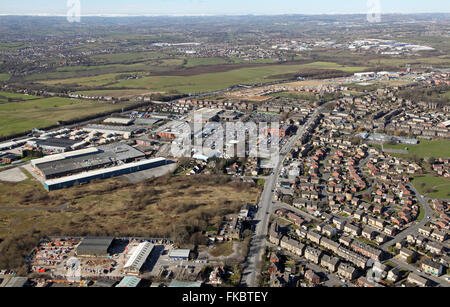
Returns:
point(13, 175)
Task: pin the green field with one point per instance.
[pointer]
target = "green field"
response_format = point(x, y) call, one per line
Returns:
point(432, 186)
point(13, 46)
point(5, 97)
point(18, 117)
point(193, 62)
point(402, 62)
point(203, 82)
point(425, 149)
point(4, 77)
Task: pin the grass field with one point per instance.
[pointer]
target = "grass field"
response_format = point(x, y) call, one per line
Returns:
point(432, 186)
point(4, 96)
point(222, 250)
point(402, 62)
point(425, 149)
point(13, 46)
point(192, 62)
point(175, 207)
point(116, 93)
point(203, 82)
point(17, 117)
point(4, 77)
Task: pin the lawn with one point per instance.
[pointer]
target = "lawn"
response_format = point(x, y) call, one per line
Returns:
point(436, 149)
point(18, 117)
point(432, 186)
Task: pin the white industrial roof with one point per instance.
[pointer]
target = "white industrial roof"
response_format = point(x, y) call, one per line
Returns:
point(139, 256)
point(101, 171)
point(63, 156)
point(180, 253)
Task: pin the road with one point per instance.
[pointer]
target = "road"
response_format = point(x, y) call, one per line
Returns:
point(258, 241)
point(413, 269)
point(428, 213)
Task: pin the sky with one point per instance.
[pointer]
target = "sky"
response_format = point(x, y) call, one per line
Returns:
point(220, 7)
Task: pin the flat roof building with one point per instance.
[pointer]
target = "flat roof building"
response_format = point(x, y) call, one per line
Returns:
point(128, 168)
point(129, 282)
point(94, 246)
point(118, 120)
point(179, 254)
point(104, 156)
point(53, 144)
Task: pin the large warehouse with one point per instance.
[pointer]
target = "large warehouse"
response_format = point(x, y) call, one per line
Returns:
point(69, 181)
point(138, 258)
point(125, 132)
point(87, 160)
point(94, 246)
point(53, 144)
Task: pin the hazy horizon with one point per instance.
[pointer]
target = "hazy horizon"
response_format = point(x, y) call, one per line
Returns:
point(221, 8)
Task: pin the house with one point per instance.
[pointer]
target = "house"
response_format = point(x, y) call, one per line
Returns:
point(314, 237)
point(358, 215)
point(292, 245)
point(352, 229)
point(394, 275)
point(274, 235)
point(417, 280)
point(407, 255)
point(368, 233)
point(347, 271)
point(312, 277)
point(329, 244)
point(432, 267)
point(313, 254)
point(344, 240)
point(329, 231)
point(367, 250)
point(331, 263)
point(434, 247)
point(424, 231)
point(439, 235)
point(366, 283)
point(390, 231)
point(381, 238)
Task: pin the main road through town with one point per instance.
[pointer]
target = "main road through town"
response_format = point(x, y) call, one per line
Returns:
point(257, 243)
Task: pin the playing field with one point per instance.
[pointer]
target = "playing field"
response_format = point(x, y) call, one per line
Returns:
point(18, 117)
point(433, 186)
point(425, 149)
